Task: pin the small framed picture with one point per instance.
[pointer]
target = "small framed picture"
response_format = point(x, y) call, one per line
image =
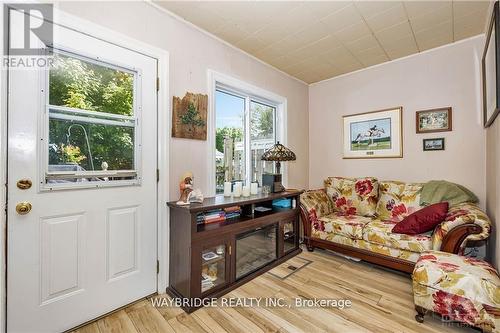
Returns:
point(435, 120)
point(433, 144)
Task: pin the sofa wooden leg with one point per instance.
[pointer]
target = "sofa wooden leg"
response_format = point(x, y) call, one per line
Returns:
point(419, 317)
point(309, 246)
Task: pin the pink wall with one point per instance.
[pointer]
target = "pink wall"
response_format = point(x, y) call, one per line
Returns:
point(446, 76)
point(192, 53)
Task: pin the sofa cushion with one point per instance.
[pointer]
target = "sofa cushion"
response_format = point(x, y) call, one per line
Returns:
point(346, 225)
point(379, 232)
point(423, 220)
point(353, 196)
point(398, 200)
point(316, 203)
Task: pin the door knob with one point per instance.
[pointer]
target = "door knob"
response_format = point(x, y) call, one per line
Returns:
point(23, 208)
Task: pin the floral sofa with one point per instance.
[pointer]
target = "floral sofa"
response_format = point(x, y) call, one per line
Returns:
point(355, 216)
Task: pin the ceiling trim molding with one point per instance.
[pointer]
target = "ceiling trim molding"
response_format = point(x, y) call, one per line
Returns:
point(180, 19)
point(398, 59)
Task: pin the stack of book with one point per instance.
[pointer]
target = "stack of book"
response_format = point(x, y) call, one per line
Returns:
point(212, 216)
point(219, 215)
point(232, 212)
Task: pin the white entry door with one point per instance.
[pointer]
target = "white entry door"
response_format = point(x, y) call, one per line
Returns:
point(83, 133)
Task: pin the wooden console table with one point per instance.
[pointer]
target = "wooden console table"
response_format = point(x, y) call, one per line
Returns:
point(209, 260)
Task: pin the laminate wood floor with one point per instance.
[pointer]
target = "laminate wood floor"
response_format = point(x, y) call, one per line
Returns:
point(382, 301)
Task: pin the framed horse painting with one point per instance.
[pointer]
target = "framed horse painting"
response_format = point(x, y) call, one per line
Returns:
point(376, 134)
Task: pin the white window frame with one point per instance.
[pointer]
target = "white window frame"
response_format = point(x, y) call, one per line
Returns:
point(104, 118)
point(249, 92)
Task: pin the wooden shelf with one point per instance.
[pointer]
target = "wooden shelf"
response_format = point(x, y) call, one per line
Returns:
point(212, 261)
point(189, 240)
point(230, 222)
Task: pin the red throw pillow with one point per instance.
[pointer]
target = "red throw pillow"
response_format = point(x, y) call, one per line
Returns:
point(423, 220)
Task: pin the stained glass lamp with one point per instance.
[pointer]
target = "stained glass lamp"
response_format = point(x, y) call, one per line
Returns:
point(278, 153)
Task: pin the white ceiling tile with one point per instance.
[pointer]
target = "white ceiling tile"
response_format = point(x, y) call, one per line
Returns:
point(234, 10)
point(180, 8)
point(323, 68)
point(465, 8)
point(323, 44)
point(341, 58)
point(295, 68)
point(343, 18)
point(321, 9)
point(231, 33)
point(351, 66)
point(420, 8)
point(250, 44)
point(296, 19)
point(309, 76)
point(373, 8)
point(395, 32)
point(305, 52)
point(371, 56)
point(436, 36)
point(428, 20)
point(400, 48)
point(313, 61)
point(353, 32)
point(470, 25)
point(271, 33)
point(361, 44)
point(443, 31)
point(395, 15)
point(290, 43)
point(312, 33)
point(426, 44)
point(336, 53)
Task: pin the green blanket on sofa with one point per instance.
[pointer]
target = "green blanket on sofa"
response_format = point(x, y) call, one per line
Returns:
point(440, 190)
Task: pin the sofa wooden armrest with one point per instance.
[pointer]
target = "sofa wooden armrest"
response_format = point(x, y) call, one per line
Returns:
point(454, 239)
point(464, 222)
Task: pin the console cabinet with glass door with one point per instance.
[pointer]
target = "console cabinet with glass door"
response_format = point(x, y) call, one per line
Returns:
point(209, 260)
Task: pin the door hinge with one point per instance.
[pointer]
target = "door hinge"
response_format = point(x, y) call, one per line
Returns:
point(157, 84)
point(157, 175)
point(229, 249)
point(157, 267)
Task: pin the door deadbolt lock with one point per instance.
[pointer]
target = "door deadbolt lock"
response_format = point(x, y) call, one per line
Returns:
point(23, 208)
point(24, 184)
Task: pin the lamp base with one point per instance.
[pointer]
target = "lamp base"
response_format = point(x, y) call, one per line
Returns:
point(273, 180)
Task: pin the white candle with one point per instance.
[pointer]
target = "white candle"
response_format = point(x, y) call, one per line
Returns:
point(246, 191)
point(237, 189)
point(254, 188)
point(227, 189)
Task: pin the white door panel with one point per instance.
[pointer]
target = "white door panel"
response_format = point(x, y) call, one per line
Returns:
point(91, 247)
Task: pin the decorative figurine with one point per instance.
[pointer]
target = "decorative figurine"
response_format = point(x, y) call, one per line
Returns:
point(185, 188)
point(188, 194)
